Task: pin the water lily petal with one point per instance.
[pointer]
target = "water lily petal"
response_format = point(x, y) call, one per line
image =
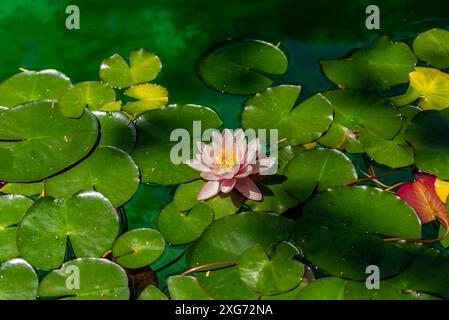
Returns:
point(209, 190)
point(227, 185)
point(248, 189)
point(197, 165)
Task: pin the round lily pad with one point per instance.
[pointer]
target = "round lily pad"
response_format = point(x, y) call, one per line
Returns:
point(31, 86)
point(185, 288)
point(87, 220)
point(31, 151)
point(271, 271)
point(152, 293)
point(317, 169)
point(225, 240)
point(180, 227)
point(108, 170)
point(116, 130)
point(241, 66)
point(18, 281)
point(86, 279)
point(155, 129)
point(138, 248)
point(433, 47)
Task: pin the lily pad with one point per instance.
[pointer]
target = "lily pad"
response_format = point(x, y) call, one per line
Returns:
point(31, 151)
point(138, 248)
point(12, 211)
point(99, 279)
point(273, 271)
point(433, 47)
point(143, 67)
point(274, 109)
point(87, 220)
point(241, 66)
point(152, 293)
point(152, 152)
point(31, 86)
point(116, 130)
point(343, 229)
point(355, 113)
point(18, 281)
point(25, 189)
point(225, 240)
point(180, 227)
point(151, 96)
point(185, 288)
point(108, 170)
point(91, 94)
point(380, 67)
point(317, 169)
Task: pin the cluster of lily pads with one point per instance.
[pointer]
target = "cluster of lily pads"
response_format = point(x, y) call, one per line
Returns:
point(73, 155)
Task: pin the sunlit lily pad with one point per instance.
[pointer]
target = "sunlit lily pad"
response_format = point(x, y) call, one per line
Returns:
point(275, 108)
point(241, 66)
point(87, 220)
point(107, 170)
point(116, 130)
point(152, 293)
point(185, 288)
point(152, 152)
point(18, 281)
point(37, 141)
point(379, 67)
point(433, 47)
point(99, 279)
point(31, 86)
point(138, 248)
point(150, 96)
point(342, 231)
point(25, 189)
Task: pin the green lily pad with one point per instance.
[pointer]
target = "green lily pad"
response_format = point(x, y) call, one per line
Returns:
point(225, 240)
point(108, 170)
point(241, 66)
point(433, 47)
point(31, 86)
point(91, 94)
point(12, 211)
point(152, 293)
point(317, 169)
point(342, 230)
point(152, 152)
point(99, 279)
point(357, 112)
point(143, 67)
point(273, 271)
point(18, 281)
point(180, 227)
point(380, 67)
point(116, 130)
point(427, 134)
point(87, 220)
point(31, 151)
point(274, 109)
point(138, 248)
point(289, 295)
point(25, 189)
point(185, 288)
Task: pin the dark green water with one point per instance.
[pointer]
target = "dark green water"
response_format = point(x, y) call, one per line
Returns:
point(33, 36)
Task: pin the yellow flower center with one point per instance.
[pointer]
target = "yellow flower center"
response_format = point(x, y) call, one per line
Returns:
point(223, 161)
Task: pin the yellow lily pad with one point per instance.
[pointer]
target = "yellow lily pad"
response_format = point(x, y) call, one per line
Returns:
point(442, 189)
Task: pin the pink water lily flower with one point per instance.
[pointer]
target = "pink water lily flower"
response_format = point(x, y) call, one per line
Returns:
point(231, 161)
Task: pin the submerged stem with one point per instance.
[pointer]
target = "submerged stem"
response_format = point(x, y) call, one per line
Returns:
point(442, 221)
point(210, 265)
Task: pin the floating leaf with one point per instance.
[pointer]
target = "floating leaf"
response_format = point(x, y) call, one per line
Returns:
point(273, 271)
point(274, 109)
point(152, 293)
point(116, 130)
point(12, 210)
point(442, 189)
point(433, 47)
point(91, 94)
point(18, 281)
point(185, 288)
point(317, 169)
point(152, 152)
point(179, 227)
point(31, 86)
point(342, 231)
point(107, 170)
point(99, 279)
point(143, 67)
point(151, 96)
point(225, 240)
point(25, 189)
point(240, 66)
point(357, 112)
point(138, 248)
point(380, 67)
point(32, 151)
point(87, 220)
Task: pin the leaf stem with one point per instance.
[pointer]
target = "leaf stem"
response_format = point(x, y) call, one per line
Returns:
point(442, 221)
point(210, 265)
point(370, 178)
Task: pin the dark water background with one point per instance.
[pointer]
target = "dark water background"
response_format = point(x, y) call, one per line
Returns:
point(33, 36)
